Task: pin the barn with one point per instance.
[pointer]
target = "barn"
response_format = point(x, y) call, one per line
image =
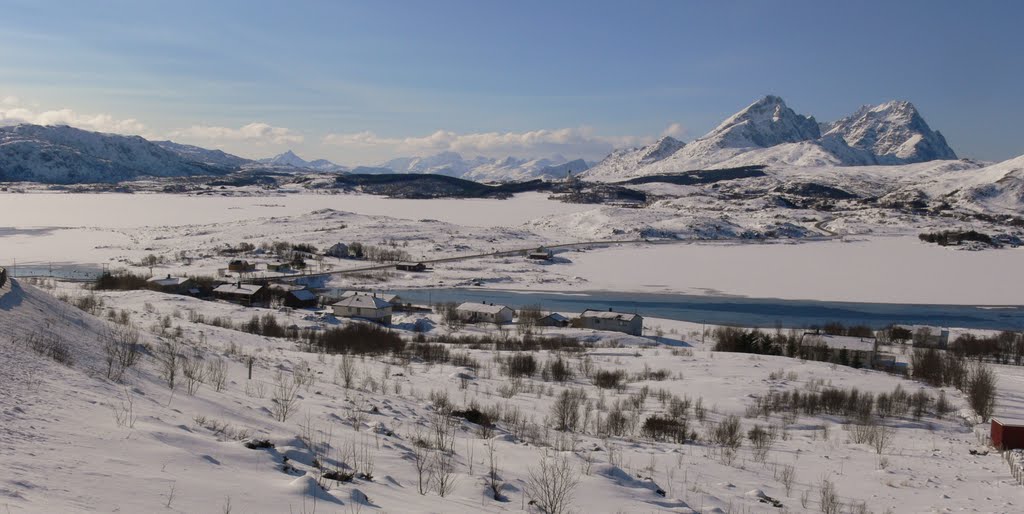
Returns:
point(1007, 434)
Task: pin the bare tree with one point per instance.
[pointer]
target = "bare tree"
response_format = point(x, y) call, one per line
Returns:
point(882, 438)
point(551, 485)
point(347, 370)
point(193, 371)
point(424, 463)
point(494, 481)
point(169, 360)
point(444, 472)
point(565, 412)
point(285, 396)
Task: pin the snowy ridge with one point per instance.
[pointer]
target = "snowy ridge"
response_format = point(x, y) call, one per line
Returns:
point(483, 169)
point(65, 155)
point(768, 132)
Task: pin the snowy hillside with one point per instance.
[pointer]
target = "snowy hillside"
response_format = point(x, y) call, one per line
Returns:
point(450, 430)
point(205, 156)
point(768, 132)
point(66, 155)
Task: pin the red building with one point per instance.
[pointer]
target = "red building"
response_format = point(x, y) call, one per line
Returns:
point(1007, 434)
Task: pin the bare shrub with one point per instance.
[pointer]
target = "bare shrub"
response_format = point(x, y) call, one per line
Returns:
point(787, 475)
point(551, 485)
point(981, 390)
point(761, 440)
point(565, 412)
point(829, 498)
point(217, 373)
point(121, 350)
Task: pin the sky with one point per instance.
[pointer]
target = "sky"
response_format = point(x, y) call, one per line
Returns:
point(361, 82)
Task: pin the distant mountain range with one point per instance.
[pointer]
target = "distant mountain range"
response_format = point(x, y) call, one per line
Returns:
point(770, 133)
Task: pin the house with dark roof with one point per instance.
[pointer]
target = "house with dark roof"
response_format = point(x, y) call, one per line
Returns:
point(553, 319)
point(169, 284)
point(242, 294)
point(300, 299)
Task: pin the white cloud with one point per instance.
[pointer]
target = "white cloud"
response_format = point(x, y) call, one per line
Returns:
point(675, 130)
point(572, 142)
point(253, 132)
point(12, 113)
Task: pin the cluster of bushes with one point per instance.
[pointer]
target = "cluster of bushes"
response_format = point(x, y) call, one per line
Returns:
point(849, 403)
point(128, 281)
point(954, 237)
point(377, 253)
point(121, 281)
point(836, 328)
point(265, 325)
point(664, 428)
point(356, 338)
point(977, 381)
point(1002, 348)
point(731, 339)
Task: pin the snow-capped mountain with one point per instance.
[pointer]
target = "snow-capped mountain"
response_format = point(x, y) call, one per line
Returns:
point(289, 159)
point(893, 131)
point(483, 169)
point(66, 155)
point(768, 132)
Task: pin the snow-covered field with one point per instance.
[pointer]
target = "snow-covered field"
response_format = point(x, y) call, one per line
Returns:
point(74, 441)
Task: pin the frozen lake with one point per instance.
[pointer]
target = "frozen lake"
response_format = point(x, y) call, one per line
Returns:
point(120, 210)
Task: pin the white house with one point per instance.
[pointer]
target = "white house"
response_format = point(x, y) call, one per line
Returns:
point(484, 312)
point(364, 306)
point(632, 324)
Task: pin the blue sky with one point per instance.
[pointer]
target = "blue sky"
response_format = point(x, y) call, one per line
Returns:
point(359, 82)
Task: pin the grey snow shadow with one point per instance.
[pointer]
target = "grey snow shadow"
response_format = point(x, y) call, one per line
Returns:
point(12, 298)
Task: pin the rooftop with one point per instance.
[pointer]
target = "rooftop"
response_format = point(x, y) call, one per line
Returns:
point(481, 307)
point(168, 281)
point(590, 313)
point(363, 301)
point(241, 289)
point(862, 344)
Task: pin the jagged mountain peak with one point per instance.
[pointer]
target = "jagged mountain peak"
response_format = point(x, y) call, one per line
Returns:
point(661, 149)
point(894, 131)
point(766, 122)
